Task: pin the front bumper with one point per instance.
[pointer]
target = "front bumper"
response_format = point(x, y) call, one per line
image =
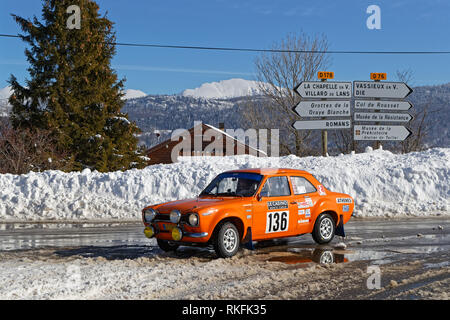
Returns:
point(152, 230)
point(196, 235)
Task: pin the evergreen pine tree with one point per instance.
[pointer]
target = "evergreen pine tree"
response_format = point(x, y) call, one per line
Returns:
point(73, 90)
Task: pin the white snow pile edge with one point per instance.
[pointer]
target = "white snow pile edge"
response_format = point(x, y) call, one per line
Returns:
point(382, 184)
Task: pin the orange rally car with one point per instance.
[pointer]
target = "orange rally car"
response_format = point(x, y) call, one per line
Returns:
point(242, 206)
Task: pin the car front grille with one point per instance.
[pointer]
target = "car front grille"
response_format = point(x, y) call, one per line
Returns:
point(165, 217)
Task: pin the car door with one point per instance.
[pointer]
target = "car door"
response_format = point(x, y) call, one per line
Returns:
point(275, 212)
point(305, 195)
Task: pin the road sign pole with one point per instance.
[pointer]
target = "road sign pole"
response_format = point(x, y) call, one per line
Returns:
point(324, 135)
point(324, 143)
point(377, 79)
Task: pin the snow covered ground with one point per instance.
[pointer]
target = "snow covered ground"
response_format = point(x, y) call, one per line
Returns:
point(118, 262)
point(382, 184)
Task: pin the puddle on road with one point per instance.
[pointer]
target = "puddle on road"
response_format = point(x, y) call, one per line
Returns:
point(18, 226)
point(319, 256)
point(304, 254)
point(48, 235)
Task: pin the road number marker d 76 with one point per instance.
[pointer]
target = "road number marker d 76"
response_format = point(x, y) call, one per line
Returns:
point(277, 221)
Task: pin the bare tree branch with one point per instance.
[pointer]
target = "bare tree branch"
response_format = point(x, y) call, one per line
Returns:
point(278, 74)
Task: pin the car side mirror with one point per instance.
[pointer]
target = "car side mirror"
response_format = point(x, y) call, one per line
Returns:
point(259, 197)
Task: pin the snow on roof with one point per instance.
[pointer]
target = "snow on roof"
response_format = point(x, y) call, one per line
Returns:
point(234, 138)
point(216, 129)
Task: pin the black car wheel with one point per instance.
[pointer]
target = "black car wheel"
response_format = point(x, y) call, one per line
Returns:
point(167, 246)
point(226, 242)
point(324, 229)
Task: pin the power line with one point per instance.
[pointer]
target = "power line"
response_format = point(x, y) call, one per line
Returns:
point(262, 50)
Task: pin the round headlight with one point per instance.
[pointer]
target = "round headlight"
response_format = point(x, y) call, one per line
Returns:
point(175, 216)
point(193, 220)
point(149, 215)
point(177, 234)
point(149, 232)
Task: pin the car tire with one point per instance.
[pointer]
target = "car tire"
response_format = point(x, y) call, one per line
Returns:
point(321, 256)
point(167, 246)
point(324, 229)
point(227, 240)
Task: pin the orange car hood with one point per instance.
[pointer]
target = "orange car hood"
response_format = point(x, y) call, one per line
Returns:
point(194, 204)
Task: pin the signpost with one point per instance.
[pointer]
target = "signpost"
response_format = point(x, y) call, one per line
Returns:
point(329, 108)
point(381, 133)
point(377, 89)
point(324, 90)
point(373, 95)
point(322, 124)
point(322, 99)
point(331, 99)
point(394, 105)
point(389, 117)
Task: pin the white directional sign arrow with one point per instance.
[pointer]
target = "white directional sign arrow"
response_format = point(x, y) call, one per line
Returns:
point(388, 117)
point(380, 133)
point(378, 89)
point(323, 108)
point(324, 89)
point(322, 124)
point(383, 105)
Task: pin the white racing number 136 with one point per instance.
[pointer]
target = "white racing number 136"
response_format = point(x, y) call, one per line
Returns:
point(277, 221)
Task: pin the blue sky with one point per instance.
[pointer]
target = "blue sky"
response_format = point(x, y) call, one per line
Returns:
point(405, 25)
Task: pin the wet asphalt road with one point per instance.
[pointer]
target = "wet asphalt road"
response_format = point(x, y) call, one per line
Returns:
point(411, 255)
point(379, 241)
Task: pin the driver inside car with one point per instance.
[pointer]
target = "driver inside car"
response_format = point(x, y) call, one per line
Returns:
point(246, 187)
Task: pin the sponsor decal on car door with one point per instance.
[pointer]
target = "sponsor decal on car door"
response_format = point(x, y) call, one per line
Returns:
point(277, 221)
point(305, 194)
point(274, 214)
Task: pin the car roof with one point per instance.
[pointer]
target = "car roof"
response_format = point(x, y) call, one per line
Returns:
point(272, 171)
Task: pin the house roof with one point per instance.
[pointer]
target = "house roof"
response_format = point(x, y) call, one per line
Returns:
point(162, 144)
point(226, 134)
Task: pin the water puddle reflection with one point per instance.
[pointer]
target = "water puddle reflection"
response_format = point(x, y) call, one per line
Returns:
point(320, 256)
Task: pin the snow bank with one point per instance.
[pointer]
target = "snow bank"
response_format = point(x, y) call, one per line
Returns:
point(382, 183)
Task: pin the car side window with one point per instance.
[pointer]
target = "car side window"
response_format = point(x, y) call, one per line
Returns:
point(276, 187)
point(301, 185)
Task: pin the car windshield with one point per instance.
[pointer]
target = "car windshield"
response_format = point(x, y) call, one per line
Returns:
point(233, 184)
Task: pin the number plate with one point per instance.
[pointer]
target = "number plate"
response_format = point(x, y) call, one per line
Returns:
point(277, 221)
point(168, 227)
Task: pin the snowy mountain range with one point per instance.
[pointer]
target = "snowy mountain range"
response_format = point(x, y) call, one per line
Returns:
point(133, 94)
point(6, 92)
point(224, 89)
